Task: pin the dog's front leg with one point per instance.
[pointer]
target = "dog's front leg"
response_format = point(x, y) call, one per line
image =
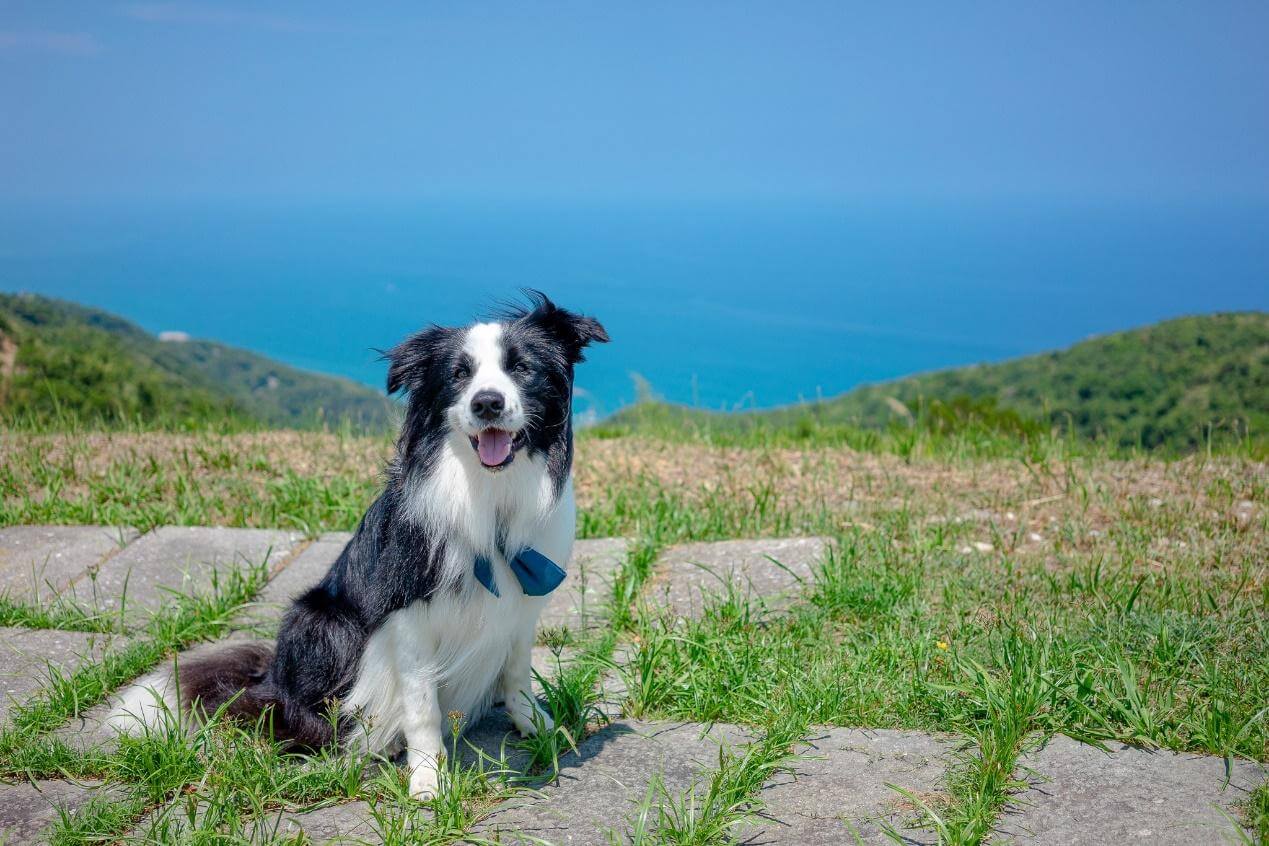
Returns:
point(421, 710)
point(517, 689)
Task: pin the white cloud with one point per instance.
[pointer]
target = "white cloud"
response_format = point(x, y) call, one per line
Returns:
point(202, 14)
point(62, 43)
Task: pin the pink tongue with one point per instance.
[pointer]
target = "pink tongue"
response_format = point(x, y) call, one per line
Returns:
point(493, 446)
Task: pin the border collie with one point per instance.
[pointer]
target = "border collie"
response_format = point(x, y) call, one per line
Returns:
point(431, 607)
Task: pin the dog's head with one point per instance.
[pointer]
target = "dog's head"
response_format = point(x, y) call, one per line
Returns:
point(500, 387)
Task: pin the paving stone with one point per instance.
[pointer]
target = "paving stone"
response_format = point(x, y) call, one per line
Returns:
point(38, 562)
point(600, 787)
point(337, 823)
point(684, 574)
point(27, 809)
point(177, 559)
point(575, 605)
point(838, 793)
point(1080, 794)
point(27, 654)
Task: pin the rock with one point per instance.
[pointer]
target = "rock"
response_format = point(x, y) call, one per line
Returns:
point(1080, 794)
point(38, 562)
point(773, 571)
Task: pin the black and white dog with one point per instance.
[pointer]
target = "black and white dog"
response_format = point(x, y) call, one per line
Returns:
point(432, 606)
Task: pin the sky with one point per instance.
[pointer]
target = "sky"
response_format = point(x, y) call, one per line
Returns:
point(313, 101)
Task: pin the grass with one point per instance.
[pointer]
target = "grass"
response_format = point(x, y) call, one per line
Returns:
point(993, 592)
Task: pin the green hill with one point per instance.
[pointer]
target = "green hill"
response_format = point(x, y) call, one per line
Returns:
point(62, 360)
point(1162, 386)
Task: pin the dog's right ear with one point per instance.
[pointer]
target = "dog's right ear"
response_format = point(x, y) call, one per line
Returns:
point(408, 361)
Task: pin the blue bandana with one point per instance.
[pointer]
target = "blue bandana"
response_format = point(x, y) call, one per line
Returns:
point(537, 574)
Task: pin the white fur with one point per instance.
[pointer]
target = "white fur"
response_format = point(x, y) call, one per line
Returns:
point(484, 345)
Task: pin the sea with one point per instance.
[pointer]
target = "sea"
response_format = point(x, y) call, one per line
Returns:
point(723, 304)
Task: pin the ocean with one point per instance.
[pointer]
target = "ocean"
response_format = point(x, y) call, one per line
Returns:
point(723, 305)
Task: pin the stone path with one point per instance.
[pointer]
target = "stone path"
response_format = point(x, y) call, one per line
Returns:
point(839, 790)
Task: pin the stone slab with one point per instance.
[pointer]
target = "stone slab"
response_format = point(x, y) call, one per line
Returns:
point(576, 604)
point(177, 559)
point(351, 822)
point(39, 562)
point(1080, 794)
point(27, 654)
point(686, 574)
point(837, 793)
point(27, 809)
point(600, 788)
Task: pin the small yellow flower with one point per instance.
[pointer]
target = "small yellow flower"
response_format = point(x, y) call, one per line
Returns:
point(942, 644)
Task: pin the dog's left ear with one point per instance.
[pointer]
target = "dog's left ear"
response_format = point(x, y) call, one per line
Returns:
point(408, 361)
point(574, 331)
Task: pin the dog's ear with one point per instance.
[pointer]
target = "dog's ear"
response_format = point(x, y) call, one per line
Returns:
point(408, 361)
point(574, 331)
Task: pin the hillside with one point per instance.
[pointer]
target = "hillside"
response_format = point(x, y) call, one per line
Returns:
point(1160, 386)
point(62, 359)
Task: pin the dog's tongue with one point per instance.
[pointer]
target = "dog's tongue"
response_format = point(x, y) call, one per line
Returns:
point(493, 446)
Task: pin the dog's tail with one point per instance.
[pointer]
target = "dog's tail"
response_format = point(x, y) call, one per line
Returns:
point(232, 680)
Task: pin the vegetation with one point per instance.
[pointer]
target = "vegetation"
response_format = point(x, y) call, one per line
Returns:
point(1175, 386)
point(998, 591)
point(61, 361)
point(991, 576)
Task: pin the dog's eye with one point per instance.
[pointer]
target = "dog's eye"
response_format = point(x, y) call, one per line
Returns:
point(520, 366)
point(461, 370)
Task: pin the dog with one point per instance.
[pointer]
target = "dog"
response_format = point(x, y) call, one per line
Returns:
point(431, 608)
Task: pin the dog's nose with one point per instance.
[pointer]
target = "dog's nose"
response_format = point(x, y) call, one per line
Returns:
point(487, 405)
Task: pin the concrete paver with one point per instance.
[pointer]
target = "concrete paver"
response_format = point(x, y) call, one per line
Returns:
point(177, 559)
point(576, 604)
point(27, 654)
point(1080, 794)
point(599, 788)
point(38, 562)
point(771, 569)
point(838, 790)
point(27, 809)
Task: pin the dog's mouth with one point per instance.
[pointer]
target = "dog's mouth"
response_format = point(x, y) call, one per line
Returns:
point(496, 448)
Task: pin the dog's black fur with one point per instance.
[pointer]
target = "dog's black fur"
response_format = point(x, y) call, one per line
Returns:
point(392, 561)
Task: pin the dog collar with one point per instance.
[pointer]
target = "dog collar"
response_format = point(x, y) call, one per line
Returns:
point(537, 574)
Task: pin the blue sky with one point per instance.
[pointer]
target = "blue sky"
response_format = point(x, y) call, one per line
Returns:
point(1153, 101)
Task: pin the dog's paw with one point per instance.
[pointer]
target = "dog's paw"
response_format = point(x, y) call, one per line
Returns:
point(424, 783)
point(530, 720)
